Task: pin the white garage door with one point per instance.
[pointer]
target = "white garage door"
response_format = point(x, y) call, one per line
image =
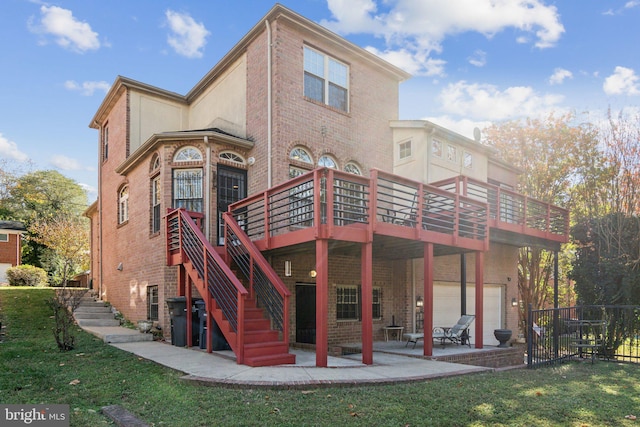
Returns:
point(446, 308)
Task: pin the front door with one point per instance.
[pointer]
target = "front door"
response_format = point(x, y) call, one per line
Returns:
point(306, 313)
point(232, 186)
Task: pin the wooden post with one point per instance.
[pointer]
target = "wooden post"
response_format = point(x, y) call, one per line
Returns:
point(479, 298)
point(428, 299)
point(366, 261)
point(322, 302)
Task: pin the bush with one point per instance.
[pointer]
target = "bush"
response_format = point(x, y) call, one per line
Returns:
point(26, 275)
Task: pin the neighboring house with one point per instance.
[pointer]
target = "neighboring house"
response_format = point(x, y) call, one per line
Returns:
point(295, 133)
point(10, 246)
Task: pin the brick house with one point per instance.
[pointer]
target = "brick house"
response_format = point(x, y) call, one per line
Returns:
point(292, 168)
point(10, 246)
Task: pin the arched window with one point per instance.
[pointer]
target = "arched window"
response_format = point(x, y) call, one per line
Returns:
point(155, 163)
point(188, 154)
point(327, 162)
point(299, 154)
point(352, 168)
point(232, 157)
point(123, 205)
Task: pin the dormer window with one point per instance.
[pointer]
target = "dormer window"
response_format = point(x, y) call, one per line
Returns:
point(326, 80)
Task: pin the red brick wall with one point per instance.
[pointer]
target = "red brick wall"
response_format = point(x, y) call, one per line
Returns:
point(10, 251)
point(362, 135)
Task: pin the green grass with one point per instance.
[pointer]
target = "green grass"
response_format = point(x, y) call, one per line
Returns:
point(32, 370)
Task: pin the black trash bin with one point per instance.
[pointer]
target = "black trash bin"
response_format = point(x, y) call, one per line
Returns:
point(219, 342)
point(178, 314)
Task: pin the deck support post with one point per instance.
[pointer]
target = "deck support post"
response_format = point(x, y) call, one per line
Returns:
point(428, 299)
point(366, 261)
point(479, 298)
point(322, 302)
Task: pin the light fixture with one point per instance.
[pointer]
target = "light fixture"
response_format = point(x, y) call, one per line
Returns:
point(313, 273)
point(419, 302)
point(514, 302)
point(287, 268)
point(119, 267)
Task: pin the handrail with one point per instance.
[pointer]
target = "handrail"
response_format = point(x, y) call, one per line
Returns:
point(265, 284)
point(184, 236)
point(510, 207)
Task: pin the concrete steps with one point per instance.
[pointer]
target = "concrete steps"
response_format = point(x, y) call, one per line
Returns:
point(98, 319)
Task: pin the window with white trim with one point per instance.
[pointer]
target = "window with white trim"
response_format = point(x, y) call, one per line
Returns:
point(377, 303)
point(347, 302)
point(187, 189)
point(404, 150)
point(326, 79)
point(188, 154)
point(155, 204)
point(436, 148)
point(4, 237)
point(123, 205)
point(352, 168)
point(452, 153)
point(231, 157)
point(327, 162)
point(152, 302)
point(467, 160)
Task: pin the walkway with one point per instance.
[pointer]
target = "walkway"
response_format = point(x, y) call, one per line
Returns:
point(219, 368)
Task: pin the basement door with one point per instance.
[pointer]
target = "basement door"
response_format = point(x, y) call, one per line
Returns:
point(232, 186)
point(306, 313)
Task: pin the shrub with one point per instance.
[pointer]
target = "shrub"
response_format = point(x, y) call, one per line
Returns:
point(26, 275)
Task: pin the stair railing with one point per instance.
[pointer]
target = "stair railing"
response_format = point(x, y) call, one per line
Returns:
point(228, 292)
point(270, 292)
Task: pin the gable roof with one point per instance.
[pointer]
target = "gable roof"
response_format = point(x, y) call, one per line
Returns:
point(12, 225)
point(277, 11)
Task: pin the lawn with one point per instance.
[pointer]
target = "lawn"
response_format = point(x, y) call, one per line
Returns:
point(32, 370)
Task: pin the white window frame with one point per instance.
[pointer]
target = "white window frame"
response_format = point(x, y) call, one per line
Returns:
point(123, 205)
point(436, 148)
point(405, 150)
point(331, 72)
point(4, 237)
point(188, 154)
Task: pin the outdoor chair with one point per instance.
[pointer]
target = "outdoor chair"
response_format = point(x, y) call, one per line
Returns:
point(457, 334)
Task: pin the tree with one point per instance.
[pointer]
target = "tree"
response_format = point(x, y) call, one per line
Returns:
point(38, 196)
point(553, 154)
point(68, 239)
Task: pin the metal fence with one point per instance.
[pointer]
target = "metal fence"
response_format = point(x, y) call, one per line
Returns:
point(607, 332)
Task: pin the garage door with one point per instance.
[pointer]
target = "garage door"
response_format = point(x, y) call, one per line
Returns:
point(446, 308)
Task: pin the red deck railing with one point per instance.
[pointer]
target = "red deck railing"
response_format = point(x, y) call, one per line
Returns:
point(511, 211)
point(265, 285)
point(327, 203)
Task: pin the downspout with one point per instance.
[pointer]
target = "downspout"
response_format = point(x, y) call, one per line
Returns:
point(101, 254)
point(269, 140)
point(207, 192)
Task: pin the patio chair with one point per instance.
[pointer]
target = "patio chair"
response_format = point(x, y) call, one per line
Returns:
point(458, 333)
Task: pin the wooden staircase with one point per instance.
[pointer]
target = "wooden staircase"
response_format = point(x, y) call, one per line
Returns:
point(242, 320)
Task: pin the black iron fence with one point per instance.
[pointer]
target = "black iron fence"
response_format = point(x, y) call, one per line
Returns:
point(604, 332)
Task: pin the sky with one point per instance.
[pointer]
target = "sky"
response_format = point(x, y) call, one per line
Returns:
point(473, 62)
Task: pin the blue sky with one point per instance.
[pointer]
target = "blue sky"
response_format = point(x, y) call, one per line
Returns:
point(474, 61)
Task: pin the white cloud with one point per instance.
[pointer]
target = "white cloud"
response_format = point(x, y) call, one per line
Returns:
point(487, 102)
point(479, 58)
point(419, 27)
point(623, 81)
point(87, 88)
point(464, 127)
point(67, 31)
point(559, 75)
point(187, 37)
point(632, 4)
point(67, 163)
point(9, 150)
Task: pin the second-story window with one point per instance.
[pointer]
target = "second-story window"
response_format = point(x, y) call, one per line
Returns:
point(327, 162)
point(326, 80)
point(405, 150)
point(105, 142)
point(123, 205)
point(155, 204)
